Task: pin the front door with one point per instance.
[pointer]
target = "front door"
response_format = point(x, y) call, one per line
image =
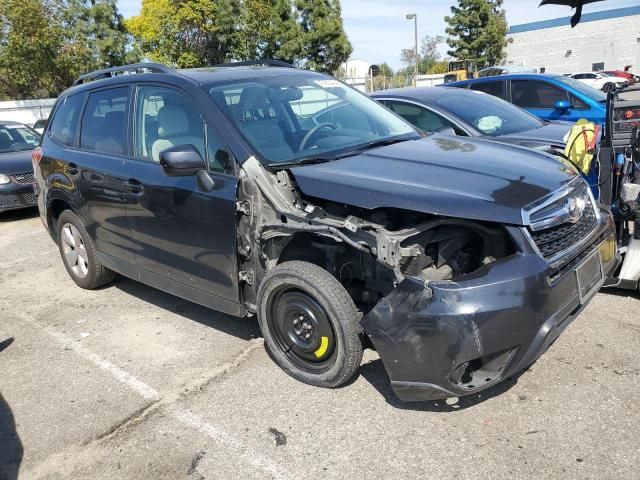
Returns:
point(539, 98)
point(183, 235)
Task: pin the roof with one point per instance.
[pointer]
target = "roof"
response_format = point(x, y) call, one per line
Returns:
point(425, 94)
point(223, 74)
point(586, 17)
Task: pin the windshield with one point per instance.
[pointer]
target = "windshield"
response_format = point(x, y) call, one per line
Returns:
point(288, 119)
point(488, 114)
point(17, 138)
point(583, 88)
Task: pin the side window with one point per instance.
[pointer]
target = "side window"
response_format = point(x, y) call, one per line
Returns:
point(104, 122)
point(165, 118)
point(535, 94)
point(577, 103)
point(578, 76)
point(420, 117)
point(497, 89)
point(63, 123)
point(219, 157)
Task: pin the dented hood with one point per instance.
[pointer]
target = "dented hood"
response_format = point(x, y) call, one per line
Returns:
point(444, 175)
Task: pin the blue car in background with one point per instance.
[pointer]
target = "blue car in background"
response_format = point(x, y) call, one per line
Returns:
point(549, 97)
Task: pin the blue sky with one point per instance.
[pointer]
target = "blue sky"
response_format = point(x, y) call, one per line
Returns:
point(378, 29)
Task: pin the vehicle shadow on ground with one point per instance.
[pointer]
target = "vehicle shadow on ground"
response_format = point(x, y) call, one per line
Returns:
point(15, 215)
point(375, 373)
point(11, 450)
point(243, 328)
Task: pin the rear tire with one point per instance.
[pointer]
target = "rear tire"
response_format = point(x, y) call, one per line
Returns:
point(609, 87)
point(78, 253)
point(310, 324)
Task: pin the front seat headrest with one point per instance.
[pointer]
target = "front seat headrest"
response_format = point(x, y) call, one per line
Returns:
point(172, 120)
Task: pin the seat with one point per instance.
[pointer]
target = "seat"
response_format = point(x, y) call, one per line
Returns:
point(111, 133)
point(5, 141)
point(429, 121)
point(174, 128)
point(257, 119)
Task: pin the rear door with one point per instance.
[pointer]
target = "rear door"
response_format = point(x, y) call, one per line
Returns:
point(184, 237)
point(83, 165)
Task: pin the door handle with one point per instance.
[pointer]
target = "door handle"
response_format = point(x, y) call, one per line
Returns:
point(72, 169)
point(133, 186)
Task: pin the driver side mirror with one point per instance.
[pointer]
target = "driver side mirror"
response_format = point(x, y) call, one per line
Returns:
point(181, 161)
point(562, 105)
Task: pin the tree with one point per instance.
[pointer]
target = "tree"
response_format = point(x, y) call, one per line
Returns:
point(189, 33)
point(477, 31)
point(37, 56)
point(324, 44)
point(267, 29)
point(429, 55)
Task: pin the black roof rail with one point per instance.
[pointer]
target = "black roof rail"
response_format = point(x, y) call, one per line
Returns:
point(109, 72)
point(266, 62)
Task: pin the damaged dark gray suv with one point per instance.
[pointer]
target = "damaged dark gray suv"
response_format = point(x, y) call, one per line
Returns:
point(242, 188)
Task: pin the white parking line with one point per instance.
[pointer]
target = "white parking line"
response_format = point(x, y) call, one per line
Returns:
point(141, 388)
point(182, 415)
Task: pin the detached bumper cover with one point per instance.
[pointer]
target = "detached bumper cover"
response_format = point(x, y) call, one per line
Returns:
point(448, 339)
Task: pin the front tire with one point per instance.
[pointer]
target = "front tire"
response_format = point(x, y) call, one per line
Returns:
point(310, 324)
point(609, 87)
point(78, 253)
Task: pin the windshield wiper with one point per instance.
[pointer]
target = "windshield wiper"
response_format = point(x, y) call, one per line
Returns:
point(331, 158)
point(304, 161)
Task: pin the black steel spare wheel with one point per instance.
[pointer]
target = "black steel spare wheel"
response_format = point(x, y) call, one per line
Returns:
point(310, 324)
point(301, 329)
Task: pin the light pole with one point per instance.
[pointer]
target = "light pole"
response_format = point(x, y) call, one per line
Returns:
point(414, 17)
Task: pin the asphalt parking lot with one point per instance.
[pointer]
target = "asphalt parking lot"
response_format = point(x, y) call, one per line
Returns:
point(129, 382)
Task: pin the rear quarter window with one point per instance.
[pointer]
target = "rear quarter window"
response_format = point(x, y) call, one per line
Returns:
point(65, 118)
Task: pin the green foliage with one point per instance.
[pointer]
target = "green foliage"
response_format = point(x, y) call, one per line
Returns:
point(46, 44)
point(429, 55)
point(267, 29)
point(36, 60)
point(477, 31)
point(190, 33)
point(323, 45)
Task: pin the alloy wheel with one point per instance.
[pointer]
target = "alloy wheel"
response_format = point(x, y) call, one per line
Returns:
point(74, 250)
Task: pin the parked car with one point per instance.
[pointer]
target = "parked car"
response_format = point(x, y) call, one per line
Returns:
point(600, 81)
point(478, 114)
point(459, 259)
point(39, 125)
point(16, 172)
point(504, 69)
point(472, 113)
point(547, 96)
point(628, 76)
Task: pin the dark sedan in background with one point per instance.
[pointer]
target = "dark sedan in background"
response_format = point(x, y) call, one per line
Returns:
point(473, 114)
point(16, 170)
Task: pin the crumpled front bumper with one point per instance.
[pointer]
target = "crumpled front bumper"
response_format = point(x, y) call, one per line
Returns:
point(449, 339)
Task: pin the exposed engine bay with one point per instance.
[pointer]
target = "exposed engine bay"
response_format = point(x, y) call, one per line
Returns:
point(368, 251)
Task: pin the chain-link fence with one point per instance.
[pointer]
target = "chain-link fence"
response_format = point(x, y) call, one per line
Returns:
point(382, 82)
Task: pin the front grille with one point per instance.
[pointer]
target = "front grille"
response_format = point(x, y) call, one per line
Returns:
point(14, 201)
point(553, 240)
point(27, 178)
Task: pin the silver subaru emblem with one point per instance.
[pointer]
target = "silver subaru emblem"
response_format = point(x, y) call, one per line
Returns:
point(574, 207)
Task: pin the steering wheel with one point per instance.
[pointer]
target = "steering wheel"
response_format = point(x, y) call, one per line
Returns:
point(313, 131)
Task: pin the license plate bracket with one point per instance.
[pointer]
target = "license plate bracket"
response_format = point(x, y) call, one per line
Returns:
point(589, 276)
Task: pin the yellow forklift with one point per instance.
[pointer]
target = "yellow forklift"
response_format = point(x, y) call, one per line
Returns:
point(459, 70)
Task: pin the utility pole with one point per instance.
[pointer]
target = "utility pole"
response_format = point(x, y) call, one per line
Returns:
point(414, 17)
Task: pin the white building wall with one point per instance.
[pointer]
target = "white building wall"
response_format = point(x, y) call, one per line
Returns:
point(26, 111)
point(615, 41)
